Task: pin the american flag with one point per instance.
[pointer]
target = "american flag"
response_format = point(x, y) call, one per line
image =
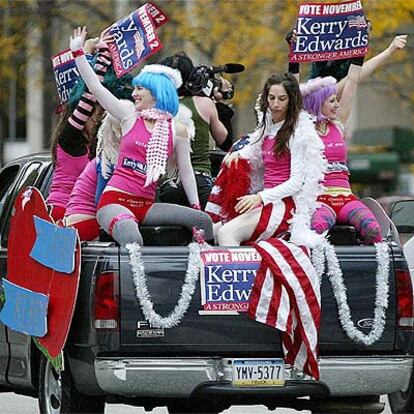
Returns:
point(357, 21)
point(286, 296)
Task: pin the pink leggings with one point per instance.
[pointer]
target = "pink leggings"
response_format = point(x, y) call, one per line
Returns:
point(346, 210)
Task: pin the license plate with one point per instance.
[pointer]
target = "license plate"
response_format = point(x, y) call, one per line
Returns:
point(258, 372)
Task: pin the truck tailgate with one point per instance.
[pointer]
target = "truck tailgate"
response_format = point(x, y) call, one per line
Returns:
point(226, 335)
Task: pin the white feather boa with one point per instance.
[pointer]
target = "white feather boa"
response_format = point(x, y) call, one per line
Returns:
point(306, 141)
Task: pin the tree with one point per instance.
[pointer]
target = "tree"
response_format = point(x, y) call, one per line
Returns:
point(54, 20)
point(212, 31)
point(252, 32)
point(389, 19)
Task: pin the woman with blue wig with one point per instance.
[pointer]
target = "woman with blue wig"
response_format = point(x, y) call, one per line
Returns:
point(149, 139)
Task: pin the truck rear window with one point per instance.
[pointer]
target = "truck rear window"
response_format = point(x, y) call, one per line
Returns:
point(29, 178)
point(7, 178)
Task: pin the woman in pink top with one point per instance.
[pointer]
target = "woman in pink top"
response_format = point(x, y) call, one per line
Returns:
point(338, 203)
point(285, 156)
point(74, 136)
point(81, 207)
point(148, 141)
point(331, 102)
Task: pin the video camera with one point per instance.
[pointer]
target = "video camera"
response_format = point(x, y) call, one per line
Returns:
point(202, 80)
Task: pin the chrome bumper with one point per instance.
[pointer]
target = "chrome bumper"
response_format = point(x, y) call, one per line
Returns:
point(344, 376)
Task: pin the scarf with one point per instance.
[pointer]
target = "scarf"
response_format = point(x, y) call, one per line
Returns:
point(157, 150)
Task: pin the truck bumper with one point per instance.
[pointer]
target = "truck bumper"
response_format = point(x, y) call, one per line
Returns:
point(181, 377)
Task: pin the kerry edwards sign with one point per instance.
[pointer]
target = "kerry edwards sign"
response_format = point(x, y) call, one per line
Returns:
point(66, 74)
point(136, 38)
point(330, 31)
point(226, 279)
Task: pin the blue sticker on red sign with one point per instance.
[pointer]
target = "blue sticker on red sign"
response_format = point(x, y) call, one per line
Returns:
point(25, 310)
point(66, 74)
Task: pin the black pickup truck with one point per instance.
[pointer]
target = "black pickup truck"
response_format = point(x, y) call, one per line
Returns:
point(113, 355)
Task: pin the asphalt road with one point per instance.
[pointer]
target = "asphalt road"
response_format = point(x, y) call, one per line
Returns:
point(15, 404)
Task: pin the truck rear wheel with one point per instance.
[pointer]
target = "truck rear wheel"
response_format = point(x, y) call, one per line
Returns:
point(403, 402)
point(58, 394)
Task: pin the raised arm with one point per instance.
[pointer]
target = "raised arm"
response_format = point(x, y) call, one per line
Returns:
point(398, 43)
point(107, 100)
point(185, 169)
point(350, 89)
point(84, 108)
point(293, 67)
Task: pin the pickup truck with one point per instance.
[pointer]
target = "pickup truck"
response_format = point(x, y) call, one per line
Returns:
point(112, 354)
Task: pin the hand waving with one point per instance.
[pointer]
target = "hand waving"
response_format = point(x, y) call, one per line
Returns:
point(77, 41)
point(399, 42)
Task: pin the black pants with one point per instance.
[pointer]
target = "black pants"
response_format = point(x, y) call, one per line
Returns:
point(169, 194)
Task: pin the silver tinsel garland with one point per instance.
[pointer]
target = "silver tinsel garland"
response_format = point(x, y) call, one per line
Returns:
point(187, 291)
point(325, 254)
point(322, 256)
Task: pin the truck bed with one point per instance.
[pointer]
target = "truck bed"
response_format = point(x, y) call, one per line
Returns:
point(236, 334)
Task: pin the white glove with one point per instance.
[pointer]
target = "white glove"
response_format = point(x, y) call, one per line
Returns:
point(77, 41)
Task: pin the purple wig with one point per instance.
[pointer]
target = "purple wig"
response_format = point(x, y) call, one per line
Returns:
point(315, 92)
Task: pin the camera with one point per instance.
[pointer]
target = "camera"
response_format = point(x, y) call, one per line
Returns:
point(202, 80)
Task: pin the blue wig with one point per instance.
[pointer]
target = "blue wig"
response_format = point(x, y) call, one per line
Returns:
point(161, 88)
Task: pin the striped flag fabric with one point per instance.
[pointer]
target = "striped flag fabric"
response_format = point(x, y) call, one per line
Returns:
point(357, 21)
point(274, 220)
point(286, 296)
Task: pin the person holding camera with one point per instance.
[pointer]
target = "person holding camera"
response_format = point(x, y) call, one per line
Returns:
point(210, 116)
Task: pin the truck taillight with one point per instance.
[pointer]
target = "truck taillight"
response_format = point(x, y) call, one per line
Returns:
point(107, 301)
point(405, 309)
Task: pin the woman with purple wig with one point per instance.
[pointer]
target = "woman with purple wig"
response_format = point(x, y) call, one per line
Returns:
point(331, 102)
point(338, 203)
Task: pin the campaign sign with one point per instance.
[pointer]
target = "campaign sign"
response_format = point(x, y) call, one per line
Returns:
point(66, 74)
point(330, 31)
point(135, 40)
point(226, 280)
point(157, 15)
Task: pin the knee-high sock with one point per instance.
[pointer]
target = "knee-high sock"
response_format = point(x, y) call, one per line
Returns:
point(172, 214)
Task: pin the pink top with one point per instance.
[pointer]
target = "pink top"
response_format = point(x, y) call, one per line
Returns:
point(67, 170)
point(82, 198)
point(130, 170)
point(336, 153)
point(276, 169)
